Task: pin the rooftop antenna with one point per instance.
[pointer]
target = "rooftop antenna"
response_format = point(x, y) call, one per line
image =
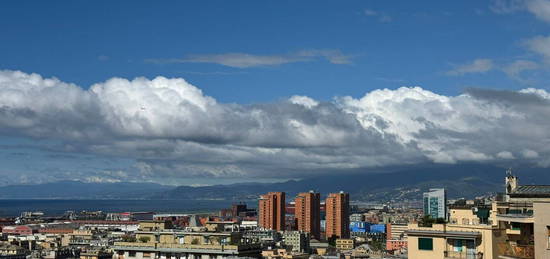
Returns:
point(509, 172)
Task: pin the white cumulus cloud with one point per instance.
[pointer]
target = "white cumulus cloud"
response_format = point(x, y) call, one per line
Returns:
point(304, 101)
point(172, 129)
point(527, 153)
point(505, 155)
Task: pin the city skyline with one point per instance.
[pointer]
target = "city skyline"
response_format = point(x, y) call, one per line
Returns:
point(203, 93)
point(311, 129)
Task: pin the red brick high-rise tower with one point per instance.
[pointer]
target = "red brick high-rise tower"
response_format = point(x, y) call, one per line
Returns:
point(271, 211)
point(337, 217)
point(308, 213)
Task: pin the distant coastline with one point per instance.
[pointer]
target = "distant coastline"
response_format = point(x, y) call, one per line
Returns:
point(56, 207)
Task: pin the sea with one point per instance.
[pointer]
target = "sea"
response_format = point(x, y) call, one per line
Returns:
point(57, 207)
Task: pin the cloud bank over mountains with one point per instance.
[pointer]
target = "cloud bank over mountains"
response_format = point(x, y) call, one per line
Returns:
point(172, 129)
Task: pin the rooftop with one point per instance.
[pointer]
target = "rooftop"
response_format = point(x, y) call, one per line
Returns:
point(533, 189)
point(527, 191)
point(8, 246)
point(418, 232)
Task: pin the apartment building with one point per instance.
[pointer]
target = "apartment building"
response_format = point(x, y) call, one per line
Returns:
point(344, 244)
point(516, 226)
point(468, 235)
point(396, 231)
point(396, 237)
point(271, 211)
point(210, 241)
point(297, 241)
point(337, 215)
point(523, 214)
point(541, 216)
point(435, 203)
point(308, 213)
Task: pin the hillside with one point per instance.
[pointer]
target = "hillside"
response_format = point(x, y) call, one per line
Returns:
point(398, 184)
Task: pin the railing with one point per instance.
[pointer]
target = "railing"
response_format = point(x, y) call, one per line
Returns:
point(514, 205)
point(513, 231)
point(516, 217)
point(516, 208)
point(241, 247)
point(135, 244)
point(191, 246)
point(464, 255)
point(519, 251)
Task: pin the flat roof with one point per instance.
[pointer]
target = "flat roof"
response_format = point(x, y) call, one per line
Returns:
point(189, 250)
point(186, 233)
point(435, 233)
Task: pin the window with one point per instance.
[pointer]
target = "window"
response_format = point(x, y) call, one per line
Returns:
point(426, 206)
point(548, 231)
point(434, 207)
point(457, 245)
point(515, 226)
point(425, 244)
point(132, 254)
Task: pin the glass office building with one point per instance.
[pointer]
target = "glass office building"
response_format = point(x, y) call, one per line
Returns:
point(435, 203)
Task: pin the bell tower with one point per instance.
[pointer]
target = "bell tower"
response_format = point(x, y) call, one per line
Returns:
point(511, 183)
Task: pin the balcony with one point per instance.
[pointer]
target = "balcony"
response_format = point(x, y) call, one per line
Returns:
point(514, 205)
point(135, 244)
point(513, 231)
point(515, 217)
point(516, 251)
point(520, 212)
point(464, 255)
point(159, 246)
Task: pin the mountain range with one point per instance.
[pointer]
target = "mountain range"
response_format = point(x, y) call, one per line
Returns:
point(398, 184)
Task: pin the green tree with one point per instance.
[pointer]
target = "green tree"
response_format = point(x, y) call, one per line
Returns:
point(440, 221)
point(332, 240)
point(128, 238)
point(144, 239)
point(428, 221)
point(377, 245)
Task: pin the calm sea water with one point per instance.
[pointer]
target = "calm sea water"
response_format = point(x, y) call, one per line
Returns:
point(10, 208)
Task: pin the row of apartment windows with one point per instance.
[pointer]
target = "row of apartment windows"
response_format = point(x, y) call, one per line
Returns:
point(458, 244)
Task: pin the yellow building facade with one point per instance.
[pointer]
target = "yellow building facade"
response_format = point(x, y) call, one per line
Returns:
point(441, 241)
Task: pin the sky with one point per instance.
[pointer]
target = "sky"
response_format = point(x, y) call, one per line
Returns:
point(209, 92)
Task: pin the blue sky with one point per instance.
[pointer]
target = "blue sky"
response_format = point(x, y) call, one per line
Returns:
point(84, 43)
point(251, 55)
